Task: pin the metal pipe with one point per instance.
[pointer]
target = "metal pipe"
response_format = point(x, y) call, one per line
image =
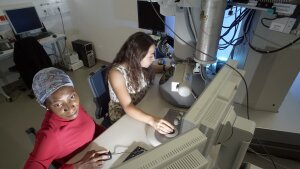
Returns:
point(211, 20)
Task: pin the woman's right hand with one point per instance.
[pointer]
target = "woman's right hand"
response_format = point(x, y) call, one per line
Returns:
point(161, 125)
point(92, 159)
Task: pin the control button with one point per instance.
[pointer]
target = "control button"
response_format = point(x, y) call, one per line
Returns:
point(181, 113)
point(176, 122)
point(172, 134)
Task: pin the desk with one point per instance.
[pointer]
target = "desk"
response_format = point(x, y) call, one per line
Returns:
point(54, 42)
point(8, 54)
point(127, 132)
point(47, 40)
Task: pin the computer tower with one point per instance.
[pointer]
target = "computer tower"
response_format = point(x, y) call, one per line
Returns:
point(85, 52)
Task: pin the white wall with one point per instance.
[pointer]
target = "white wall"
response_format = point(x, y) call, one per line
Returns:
point(106, 23)
point(264, 39)
point(264, 73)
point(51, 20)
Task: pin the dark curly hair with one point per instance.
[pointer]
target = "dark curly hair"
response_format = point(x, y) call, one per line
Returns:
point(132, 52)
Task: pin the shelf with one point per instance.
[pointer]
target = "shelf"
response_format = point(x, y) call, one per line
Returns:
point(3, 23)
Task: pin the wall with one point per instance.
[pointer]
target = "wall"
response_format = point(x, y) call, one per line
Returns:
point(49, 15)
point(264, 71)
point(106, 23)
point(47, 11)
point(269, 78)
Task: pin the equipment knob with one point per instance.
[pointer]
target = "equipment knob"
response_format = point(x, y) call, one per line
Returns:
point(176, 122)
point(181, 113)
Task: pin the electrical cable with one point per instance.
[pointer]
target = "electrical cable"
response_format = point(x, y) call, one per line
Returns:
point(65, 42)
point(62, 21)
point(262, 156)
point(246, 87)
point(206, 55)
point(192, 23)
point(271, 51)
point(193, 47)
point(246, 29)
point(265, 149)
point(234, 24)
point(269, 19)
point(238, 19)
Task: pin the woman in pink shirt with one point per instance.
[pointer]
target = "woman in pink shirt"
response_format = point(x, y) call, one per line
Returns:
point(66, 129)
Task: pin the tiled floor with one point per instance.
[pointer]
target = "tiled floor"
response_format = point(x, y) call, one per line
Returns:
point(24, 112)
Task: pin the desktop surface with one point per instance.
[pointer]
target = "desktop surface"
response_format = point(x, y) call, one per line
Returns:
point(127, 133)
point(43, 35)
point(228, 136)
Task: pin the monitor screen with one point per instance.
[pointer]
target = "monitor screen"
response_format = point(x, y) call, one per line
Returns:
point(228, 135)
point(182, 152)
point(23, 20)
point(147, 17)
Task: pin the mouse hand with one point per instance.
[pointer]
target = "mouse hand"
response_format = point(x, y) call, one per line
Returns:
point(91, 160)
point(104, 155)
point(162, 126)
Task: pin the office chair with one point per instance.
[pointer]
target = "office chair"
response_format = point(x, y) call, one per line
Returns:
point(99, 87)
point(30, 57)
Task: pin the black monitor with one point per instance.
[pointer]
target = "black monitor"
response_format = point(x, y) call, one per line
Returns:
point(147, 17)
point(24, 20)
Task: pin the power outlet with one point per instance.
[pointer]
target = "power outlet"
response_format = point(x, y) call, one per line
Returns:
point(283, 25)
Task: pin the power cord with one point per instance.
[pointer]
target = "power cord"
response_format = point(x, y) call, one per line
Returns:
point(63, 26)
point(262, 156)
point(246, 86)
point(62, 21)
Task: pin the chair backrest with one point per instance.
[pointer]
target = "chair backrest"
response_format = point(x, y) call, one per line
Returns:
point(30, 57)
point(98, 84)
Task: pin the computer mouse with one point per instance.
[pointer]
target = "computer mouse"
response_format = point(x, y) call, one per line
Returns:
point(108, 154)
point(54, 36)
point(172, 132)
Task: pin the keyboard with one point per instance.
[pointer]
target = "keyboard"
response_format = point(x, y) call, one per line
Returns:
point(137, 151)
point(43, 35)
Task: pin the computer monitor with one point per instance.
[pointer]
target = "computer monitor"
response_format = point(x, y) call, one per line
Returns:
point(147, 18)
point(213, 113)
point(24, 20)
point(182, 152)
point(228, 135)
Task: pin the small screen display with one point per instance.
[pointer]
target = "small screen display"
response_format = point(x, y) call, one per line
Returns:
point(147, 17)
point(24, 19)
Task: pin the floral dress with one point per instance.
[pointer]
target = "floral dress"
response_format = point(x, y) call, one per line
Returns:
point(115, 109)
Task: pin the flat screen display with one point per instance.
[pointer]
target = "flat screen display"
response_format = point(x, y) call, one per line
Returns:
point(23, 19)
point(147, 17)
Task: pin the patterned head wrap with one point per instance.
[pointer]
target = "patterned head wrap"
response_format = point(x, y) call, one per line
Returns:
point(47, 81)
